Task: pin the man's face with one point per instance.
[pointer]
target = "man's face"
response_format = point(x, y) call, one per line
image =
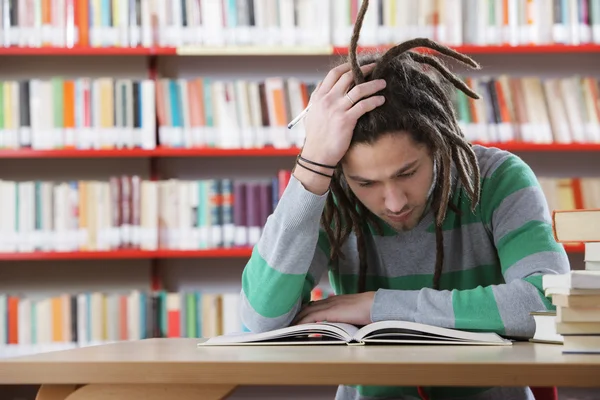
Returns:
point(392, 178)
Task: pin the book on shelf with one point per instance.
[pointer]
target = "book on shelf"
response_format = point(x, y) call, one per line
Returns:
point(34, 321)
point(123, 212)
point(381, 332)
point(78, 113)
point(131, 23)
point(233, 113)
point(530, 109)
point(128, 212)
point(240, 113)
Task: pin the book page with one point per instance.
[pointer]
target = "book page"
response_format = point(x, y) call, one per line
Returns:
point(291, 333)
point(396, 329)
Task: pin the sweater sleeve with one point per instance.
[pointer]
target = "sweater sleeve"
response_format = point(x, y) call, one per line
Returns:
point(286, 263)
point(514, 208)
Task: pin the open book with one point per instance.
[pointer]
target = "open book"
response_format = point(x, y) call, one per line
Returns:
point(382, 332)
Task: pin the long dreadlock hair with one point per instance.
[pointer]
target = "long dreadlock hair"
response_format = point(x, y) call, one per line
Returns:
point(416, 101)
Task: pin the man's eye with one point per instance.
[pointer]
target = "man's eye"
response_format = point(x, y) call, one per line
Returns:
point(408, 174)
point(365, 184)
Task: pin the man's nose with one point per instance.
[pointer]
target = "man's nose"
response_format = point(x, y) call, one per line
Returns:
point(395, 199)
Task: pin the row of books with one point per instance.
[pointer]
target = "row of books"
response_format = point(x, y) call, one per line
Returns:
point(128, 212)
point(571, 193)
point(575, 322)
point(98, 317)
point(112, 113)
point(531, 109)
point(230, 114)
point(78, 113)
point(130, 23)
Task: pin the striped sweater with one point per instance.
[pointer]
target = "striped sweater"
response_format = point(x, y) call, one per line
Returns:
point(492, 272)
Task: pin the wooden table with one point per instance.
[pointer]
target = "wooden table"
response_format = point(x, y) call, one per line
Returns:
point(150, 367)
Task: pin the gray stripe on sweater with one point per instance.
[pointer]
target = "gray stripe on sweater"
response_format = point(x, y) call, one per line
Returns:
point(490, 159)
point(426, 306)
point(257, 323)
point(414, 252)
point(538, 263)
point(496, 393)
point(512, 206)
point(299, 211)
point(514, 310)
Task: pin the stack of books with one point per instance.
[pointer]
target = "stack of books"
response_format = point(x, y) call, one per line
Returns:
point(576, 294)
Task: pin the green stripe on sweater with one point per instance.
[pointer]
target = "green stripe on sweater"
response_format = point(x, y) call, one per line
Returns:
point(494, 189)
point(536, 281)
point(476, 309)
point(270, 292)
point(467, 279)
point(532, 237)
point(511, 176)
point(434, 392)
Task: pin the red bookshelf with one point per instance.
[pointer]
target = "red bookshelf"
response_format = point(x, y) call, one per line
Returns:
point(261, 152)
point(149, 51)
point(244, 252)
point(575, 248)
point(86, 51)
point(544, 147)
point(502, 49)
point(126, 254)
point(158, 152)
point(74, 153)
point(217, 152)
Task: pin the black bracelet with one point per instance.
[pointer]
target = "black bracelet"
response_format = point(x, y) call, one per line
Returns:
point(315, 163)
point(312, 170)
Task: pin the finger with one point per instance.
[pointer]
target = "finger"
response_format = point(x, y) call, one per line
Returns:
point(347, 78)
point(317, 306)
point(303, 313)
point(313, 317)
point(314, 92)
point(333, 76)
point(365, 90)
point(364, 106)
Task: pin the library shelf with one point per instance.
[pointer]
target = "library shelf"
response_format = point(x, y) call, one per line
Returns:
point(85, 51)
point(253, 152)
point(543, 147)
point(242, 252)
point(77, 153)
point(299, 50)
point(221, 152)
point(158, 152)
point(497, 49)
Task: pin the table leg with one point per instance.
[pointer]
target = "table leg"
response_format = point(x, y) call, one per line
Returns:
point(55, 392)
point(135, 392)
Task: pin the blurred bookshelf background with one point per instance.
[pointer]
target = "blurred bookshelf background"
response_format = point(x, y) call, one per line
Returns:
point(143, 143)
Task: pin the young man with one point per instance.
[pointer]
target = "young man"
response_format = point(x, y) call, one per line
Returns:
point(411, 221)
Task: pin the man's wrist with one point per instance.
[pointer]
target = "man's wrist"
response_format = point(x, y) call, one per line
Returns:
point(395, 305)
point(315, 179)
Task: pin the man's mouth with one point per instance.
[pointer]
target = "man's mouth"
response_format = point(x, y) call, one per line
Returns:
point(400, 217)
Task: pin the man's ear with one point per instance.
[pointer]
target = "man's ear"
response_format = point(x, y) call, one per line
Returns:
point(434, 178)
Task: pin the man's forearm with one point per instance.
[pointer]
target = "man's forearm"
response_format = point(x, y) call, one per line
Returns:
point(503, 309)
point(286, 261)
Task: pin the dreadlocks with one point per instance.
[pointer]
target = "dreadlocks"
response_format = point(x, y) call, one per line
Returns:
point(416, 102)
